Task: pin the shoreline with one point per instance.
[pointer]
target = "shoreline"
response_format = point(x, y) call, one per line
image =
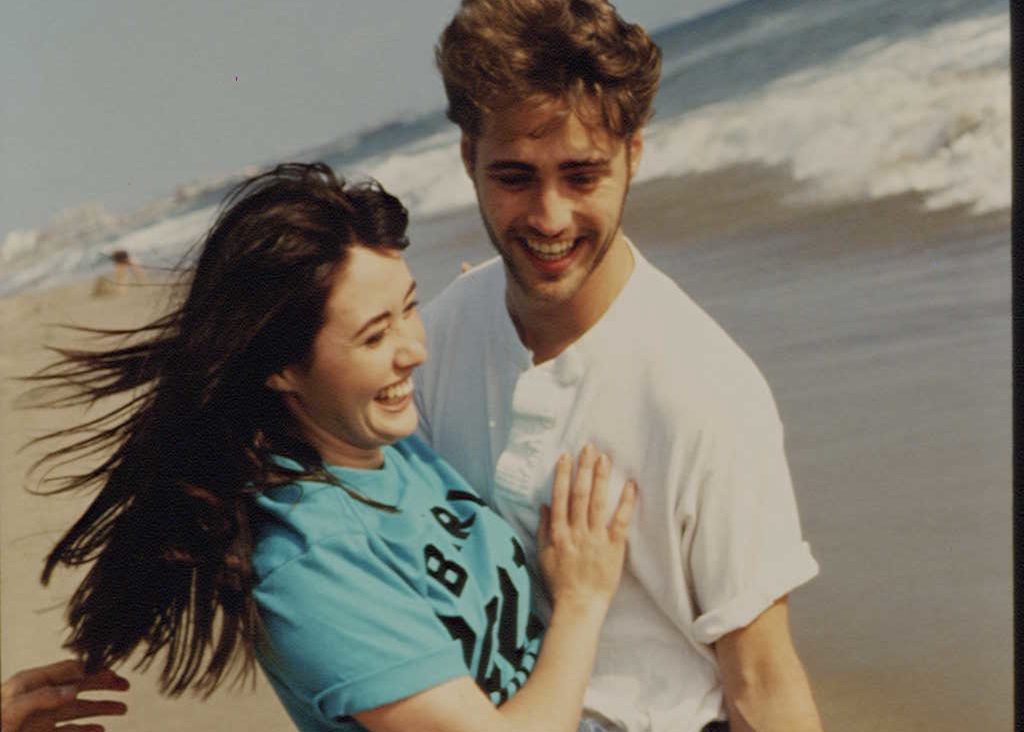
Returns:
point(740, 200)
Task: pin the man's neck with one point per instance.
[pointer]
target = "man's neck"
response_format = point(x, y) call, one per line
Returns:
point(547, 329)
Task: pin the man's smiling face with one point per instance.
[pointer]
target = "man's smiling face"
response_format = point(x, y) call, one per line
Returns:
point(551, 189)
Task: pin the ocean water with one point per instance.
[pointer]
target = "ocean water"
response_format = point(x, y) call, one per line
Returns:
point(855, 99)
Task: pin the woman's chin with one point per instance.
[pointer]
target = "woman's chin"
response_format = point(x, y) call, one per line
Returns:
point(394, 424)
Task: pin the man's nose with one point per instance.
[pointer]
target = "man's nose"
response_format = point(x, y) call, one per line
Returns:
point(550, 212)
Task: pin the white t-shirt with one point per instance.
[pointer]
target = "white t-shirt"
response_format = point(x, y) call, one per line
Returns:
point(661, 388)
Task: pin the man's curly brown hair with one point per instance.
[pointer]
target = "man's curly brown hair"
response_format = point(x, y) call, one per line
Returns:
point(497, 53)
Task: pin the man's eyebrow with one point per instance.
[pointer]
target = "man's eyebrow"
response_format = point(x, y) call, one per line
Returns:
point(588, 163)
point(384, 315)
point(502, 165)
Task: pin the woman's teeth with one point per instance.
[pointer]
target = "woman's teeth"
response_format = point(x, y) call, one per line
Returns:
point(395, 392)
point(549, 252)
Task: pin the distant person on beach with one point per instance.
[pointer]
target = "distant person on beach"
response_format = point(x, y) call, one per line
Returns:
point(571, 336)
point(39, 699)
point(263, 496)
point(125, 264)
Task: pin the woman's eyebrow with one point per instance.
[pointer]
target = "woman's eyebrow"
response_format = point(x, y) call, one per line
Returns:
point(384, 315)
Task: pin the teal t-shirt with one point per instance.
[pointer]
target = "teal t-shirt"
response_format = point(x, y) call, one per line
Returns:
point(363, 607)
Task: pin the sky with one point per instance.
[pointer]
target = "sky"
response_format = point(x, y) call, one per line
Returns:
point(118, 101)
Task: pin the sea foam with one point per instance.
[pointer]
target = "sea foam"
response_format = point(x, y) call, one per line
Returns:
point(885, 118)
point(161, 244)
point(428, 176)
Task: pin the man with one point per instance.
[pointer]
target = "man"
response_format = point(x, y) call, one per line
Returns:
point(570, 336)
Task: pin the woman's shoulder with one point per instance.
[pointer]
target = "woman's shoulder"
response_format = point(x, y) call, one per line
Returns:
point(293, 518)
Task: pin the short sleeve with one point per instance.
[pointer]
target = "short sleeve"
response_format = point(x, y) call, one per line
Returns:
point(346, 633)
point(747, 547)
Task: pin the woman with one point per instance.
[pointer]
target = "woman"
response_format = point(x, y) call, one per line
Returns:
point(264, 498)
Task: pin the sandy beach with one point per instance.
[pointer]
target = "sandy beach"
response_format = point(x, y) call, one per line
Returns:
point(884, 331)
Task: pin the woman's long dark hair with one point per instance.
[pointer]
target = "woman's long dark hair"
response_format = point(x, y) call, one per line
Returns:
point(169, 532)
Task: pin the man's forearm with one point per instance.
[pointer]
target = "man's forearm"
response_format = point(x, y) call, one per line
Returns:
point(778, 699)
point(765, 685)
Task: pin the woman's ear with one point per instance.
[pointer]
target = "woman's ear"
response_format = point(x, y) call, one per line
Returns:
point(283, 381)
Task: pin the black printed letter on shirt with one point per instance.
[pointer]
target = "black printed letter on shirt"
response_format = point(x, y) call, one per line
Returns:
point(451, 575)
point(450, 522)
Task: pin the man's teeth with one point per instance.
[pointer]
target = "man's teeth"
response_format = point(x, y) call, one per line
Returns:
point(395, 392)
point(552, 251)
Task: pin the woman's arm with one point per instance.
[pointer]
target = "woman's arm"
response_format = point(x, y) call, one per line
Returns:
point(581, 558)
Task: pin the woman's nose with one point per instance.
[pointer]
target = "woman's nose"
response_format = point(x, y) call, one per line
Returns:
point(412, 352)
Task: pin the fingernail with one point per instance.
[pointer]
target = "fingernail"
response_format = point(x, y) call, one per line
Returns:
point(602, 460)
point(67, 691)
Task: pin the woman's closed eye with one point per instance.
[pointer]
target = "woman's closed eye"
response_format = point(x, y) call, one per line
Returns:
point(376, 338)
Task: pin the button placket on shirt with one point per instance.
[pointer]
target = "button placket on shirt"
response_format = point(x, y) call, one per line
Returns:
point(532, 418)
point(541, 395)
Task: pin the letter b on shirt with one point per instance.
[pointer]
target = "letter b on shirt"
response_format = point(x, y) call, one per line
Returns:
point(451, 575)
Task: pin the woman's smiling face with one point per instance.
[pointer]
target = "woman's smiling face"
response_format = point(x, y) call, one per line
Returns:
point(355, 395)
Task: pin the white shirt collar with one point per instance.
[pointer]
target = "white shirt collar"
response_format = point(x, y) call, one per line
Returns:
point(569, 364)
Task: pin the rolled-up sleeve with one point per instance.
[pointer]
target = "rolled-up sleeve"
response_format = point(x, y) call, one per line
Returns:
point(747, 549)
point(348, 634)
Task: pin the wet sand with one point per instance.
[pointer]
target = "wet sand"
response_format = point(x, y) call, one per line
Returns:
point(885, 334)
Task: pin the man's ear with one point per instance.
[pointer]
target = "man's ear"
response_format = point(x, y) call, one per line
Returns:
point(468, 149)
point(635, 145)
point(283, 381)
